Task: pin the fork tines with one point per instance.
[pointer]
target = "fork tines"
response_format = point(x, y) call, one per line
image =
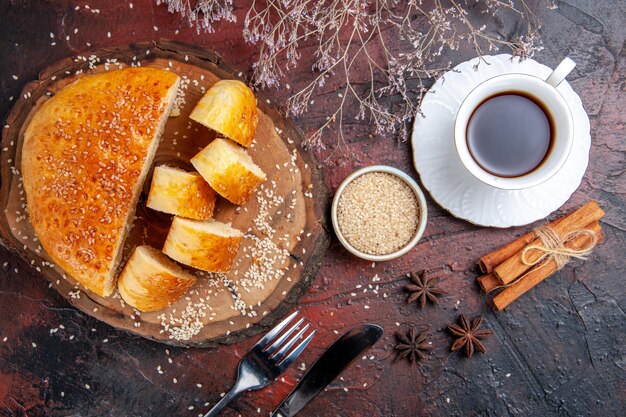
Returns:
point(276, 347)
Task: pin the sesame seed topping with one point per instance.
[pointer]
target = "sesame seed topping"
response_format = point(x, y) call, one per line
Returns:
point(378, 213)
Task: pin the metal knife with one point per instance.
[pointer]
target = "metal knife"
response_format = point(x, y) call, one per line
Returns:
point(336, 358)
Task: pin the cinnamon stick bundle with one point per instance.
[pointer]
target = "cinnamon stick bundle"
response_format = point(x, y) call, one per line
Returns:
point(542, 271)
point(488, 262)
point(490, 282)
point(513, 267)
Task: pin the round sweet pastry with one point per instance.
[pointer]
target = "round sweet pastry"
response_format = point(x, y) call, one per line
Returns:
point(229, 170)
point(210, 246)
point(229, 108)
point(181, 193)
point(85, 156)
point(150, 281)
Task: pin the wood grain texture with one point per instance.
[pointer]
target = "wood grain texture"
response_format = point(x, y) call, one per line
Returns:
point(292, 175)
point(558, 351)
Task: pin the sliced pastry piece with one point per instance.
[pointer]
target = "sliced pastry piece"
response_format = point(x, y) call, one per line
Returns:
point(229, 108)
point(182, 193)
point(229, 170)
point(85, 156)
point(210, 246)
point(150, 281)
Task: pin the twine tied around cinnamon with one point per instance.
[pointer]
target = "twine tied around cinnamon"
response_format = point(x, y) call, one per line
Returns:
point(553, 247)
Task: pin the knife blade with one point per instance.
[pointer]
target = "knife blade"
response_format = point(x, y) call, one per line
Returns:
point(332, 362)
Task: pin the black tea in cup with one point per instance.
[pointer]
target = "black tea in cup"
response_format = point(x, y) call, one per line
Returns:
point(510, 134)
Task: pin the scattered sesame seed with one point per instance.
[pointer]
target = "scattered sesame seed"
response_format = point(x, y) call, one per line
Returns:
point(272, 260)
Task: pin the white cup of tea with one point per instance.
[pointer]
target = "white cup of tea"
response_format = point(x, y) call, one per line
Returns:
point(515, 131)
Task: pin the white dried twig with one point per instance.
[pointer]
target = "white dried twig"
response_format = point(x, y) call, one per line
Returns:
point(350, 37)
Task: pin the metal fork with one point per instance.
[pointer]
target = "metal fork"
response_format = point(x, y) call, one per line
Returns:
point(265, 361)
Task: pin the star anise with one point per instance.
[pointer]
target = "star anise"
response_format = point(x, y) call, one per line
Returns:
point(424, 287)
point(412, 345)
point(468, 334)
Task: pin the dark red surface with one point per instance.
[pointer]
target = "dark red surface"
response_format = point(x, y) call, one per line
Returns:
point(558, 351)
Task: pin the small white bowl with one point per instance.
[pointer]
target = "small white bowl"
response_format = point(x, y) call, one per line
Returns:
point(423, 213)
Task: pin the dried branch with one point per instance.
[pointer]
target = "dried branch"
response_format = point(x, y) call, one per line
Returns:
point(351, 34)
point(202, 14)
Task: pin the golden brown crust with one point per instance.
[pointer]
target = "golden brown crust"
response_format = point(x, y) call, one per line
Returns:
point(181, 193)
point(229, 170)
point(84, 153)
point(229, 108)
point(192, 243)
point(150, 281)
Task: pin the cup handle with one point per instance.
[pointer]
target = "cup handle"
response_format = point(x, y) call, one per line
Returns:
point(558, 75)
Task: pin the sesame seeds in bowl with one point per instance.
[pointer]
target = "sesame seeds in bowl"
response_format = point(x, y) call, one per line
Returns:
point(379, 213)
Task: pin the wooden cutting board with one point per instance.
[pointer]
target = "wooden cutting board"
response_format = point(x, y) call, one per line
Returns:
point(285, 239)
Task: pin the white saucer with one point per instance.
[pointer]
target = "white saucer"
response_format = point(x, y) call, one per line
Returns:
point(458, 191)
